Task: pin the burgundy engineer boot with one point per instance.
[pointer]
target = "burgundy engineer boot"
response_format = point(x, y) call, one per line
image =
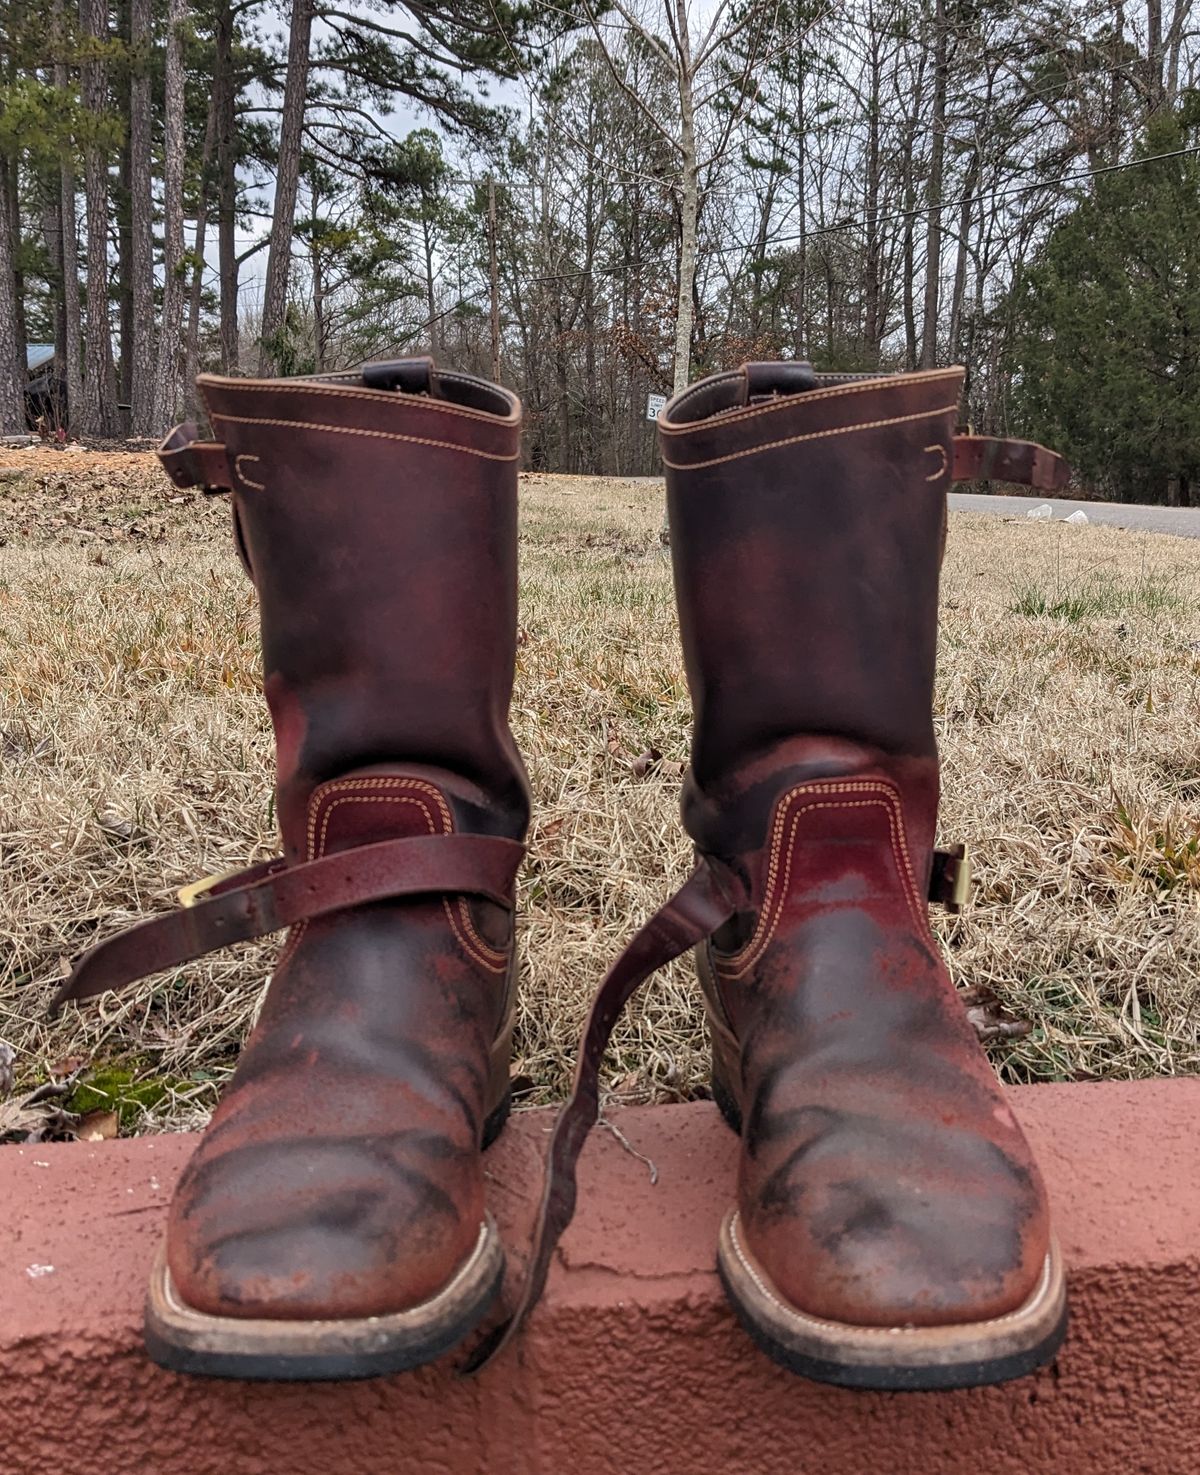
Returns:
point(331, 1224)
point(890, 1228)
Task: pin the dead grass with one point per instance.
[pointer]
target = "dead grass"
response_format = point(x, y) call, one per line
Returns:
point(135, 757)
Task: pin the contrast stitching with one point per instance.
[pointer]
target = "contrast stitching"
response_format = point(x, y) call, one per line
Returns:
point(789, 401)
point(415, 440)
point(251, 386)
point(1020, 1314)
point(775, 895)
point(941, 471)
point(472, 943)
point(341, 785)
point(237, 466)
point(791, 440)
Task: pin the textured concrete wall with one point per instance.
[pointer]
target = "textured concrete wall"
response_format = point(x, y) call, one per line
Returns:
point(632, 1363)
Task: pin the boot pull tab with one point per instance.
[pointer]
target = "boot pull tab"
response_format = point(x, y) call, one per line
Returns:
point(407, 376)
point(769, 380)
point(191, 462)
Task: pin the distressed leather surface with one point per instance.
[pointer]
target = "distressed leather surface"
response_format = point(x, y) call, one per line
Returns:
point(883, 1180)
point(341, 1175)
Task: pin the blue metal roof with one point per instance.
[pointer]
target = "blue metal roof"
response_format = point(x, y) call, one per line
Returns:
point(38, 355)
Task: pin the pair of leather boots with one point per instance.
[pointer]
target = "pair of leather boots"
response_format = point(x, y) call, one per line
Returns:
point(889, 1228)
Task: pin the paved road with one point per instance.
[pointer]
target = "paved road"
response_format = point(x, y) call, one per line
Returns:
point(1183, 522)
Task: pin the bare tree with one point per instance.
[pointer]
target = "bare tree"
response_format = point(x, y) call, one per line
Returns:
point(688, 51)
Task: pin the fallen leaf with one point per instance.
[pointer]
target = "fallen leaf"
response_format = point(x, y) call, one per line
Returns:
point(989, 1018)
point(116, 825)
point(97, 1126)
point(644, 762)
point(69, 1065)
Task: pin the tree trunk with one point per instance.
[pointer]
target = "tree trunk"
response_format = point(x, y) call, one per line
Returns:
point(99, 416)
point(1154, 56)
point(53, 237)
point(120, 201)
point(318, 293)
point(872, 326)
point(12, 368)
point(144, 418)
point(933, 192)
point(227, 153)
point(291, 134)
point(689, 224)
point(430, 304)
point(191, 339)
point(72, 366)
point(166, 401)
point(966, 210)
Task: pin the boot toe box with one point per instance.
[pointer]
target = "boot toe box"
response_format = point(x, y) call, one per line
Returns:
point(320, 1230)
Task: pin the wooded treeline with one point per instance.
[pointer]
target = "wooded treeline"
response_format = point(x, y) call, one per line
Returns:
point(607, 201)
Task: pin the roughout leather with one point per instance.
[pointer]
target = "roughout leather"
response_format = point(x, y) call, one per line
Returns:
point(341, 1175)
point(883, 1180)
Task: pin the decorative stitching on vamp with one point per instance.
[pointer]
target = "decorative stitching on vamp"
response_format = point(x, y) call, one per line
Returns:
point(776, 890)
point(792, 440)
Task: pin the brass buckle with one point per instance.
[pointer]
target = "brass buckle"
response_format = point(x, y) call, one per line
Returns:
point(956, 878)
point(189, 895)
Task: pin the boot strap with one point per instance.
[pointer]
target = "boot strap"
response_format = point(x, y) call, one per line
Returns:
point(191, 462)
point(988, 458)
point(707, 900)
point(270, 897)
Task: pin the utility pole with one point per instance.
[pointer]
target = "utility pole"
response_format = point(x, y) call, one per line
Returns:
point(494, 279)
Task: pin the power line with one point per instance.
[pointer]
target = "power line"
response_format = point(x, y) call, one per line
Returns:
point(1016, 189)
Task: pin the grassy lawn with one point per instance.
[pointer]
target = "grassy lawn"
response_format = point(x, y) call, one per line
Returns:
point(135, 756)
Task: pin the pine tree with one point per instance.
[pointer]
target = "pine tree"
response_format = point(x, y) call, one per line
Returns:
point(1107, 363)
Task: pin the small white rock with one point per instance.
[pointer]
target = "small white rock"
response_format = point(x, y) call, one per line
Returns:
point(35, 1272)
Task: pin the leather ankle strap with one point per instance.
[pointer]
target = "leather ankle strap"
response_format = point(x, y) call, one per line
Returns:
point(987, 458)
point(270, 897)
point(706, 901)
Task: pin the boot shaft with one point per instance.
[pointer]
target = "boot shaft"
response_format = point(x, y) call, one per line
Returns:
point(376, 514)
point(806, 517)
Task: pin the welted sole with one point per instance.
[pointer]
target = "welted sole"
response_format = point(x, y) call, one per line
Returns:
point(179, 1337)
point(896, 1359)
point(902, 1358)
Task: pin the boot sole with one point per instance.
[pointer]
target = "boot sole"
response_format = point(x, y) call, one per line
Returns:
point(900, 1358)
point(185, 1340)
point(895, 1359)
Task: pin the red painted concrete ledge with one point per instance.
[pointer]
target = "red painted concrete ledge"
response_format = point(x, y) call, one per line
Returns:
point(632, 1363)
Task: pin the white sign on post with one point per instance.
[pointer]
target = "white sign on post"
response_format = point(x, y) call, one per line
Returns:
point(654, 403)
